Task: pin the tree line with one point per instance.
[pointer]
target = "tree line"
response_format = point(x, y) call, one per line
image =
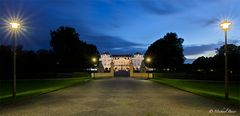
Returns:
point(167, 56)
point(216, 63)
point(67, 54)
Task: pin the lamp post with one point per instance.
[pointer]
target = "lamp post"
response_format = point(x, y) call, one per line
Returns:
point(225, 27)
point(148, 61)
point(14, 26)
point(94, 60)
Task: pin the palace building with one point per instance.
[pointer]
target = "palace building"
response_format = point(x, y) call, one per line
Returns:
point(121, 62)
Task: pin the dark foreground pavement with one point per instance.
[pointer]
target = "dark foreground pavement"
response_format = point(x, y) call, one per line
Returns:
point(118, 97)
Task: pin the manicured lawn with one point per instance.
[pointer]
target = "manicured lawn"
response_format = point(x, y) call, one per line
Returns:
point(214, 89)
point(34, 87)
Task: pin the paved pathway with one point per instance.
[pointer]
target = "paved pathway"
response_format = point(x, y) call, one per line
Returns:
point(116, 97)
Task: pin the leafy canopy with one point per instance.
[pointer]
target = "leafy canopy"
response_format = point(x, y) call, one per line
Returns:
point(166, 52)
point(70, 50)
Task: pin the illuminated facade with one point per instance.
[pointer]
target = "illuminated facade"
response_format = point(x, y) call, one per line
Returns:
point(121, 62)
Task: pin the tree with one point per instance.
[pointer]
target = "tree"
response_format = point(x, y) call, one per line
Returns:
point(6, 61)
point(70, 51)
point(46, 60)
point(231, 48)
point(217, 62)
point(203, 63)
point(27, 61)
point(233, 53)
point(65, 44)
point(167, 52)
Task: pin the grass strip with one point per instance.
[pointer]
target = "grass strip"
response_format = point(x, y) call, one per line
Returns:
point(205, 88)
point(33, 87)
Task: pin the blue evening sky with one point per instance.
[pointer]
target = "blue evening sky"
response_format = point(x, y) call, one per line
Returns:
point(125, 26)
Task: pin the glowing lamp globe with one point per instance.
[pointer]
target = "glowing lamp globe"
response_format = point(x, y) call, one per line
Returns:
point(225, 25)
point(148, 59)
point(15, 25)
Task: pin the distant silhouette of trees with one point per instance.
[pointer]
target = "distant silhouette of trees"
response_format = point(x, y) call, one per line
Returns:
point(215, 65)
point(166, 52)
point(5, 60)
point(47, 58)
point(27, 61)
point(204, 63)
point(231, 49)
point(71, 52)
point(217, 62)
point(233, 53)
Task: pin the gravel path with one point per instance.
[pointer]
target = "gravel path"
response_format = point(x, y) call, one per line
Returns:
point(117, 97)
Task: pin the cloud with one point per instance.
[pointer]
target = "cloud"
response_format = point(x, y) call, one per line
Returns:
point(127, 50)
point(166, 7)
point(189, 61)
point(209, 53)
point(162, 9)
point(192, 52)
point(113, 44)
point(199, 49)
point(211, 21)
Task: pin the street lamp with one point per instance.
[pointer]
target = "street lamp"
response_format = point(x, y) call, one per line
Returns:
point(225, 25)
point(94, 60)
point(14, 27)
point(148, 60)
